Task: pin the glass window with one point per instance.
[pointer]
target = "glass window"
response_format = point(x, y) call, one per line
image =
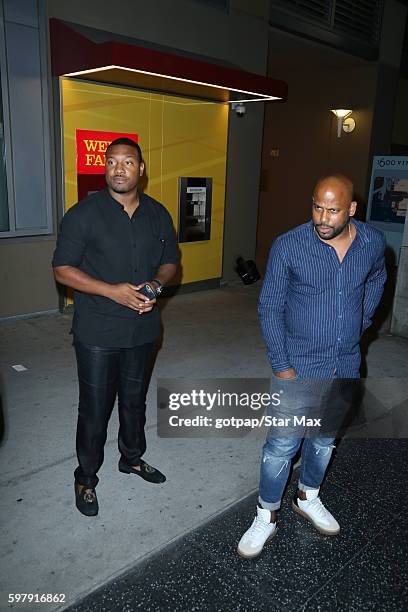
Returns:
point(4, 215)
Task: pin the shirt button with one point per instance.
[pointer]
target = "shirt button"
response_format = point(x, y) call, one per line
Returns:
point(340, 292)
point(340, 315)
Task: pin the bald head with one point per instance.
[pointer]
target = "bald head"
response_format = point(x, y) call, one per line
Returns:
point(333, 206)
point(335, 182)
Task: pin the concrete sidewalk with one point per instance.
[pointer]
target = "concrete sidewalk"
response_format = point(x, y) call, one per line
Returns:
point(47, 546)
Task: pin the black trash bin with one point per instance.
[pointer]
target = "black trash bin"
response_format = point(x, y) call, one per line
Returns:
point(247, 270)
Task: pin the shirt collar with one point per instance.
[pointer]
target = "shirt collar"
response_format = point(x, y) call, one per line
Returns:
point(118, 206)
point(360, 238)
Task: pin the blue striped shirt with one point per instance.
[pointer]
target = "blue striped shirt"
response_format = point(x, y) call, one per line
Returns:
point(313, 309)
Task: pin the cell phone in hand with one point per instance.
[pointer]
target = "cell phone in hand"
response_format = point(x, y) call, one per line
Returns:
point(148, 291)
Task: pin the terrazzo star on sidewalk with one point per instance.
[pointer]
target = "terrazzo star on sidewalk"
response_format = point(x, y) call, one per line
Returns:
point(323, 282)
point(116, 248)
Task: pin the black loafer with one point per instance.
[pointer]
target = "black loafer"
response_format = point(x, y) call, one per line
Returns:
point(146, 471)
point(86, 500)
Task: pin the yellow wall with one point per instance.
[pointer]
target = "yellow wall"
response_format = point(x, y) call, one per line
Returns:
point(178, 137)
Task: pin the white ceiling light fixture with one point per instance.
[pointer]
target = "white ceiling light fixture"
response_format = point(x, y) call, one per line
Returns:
point(259, 97)
point(344, 121)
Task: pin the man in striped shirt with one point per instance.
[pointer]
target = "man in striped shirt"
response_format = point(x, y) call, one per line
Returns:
point(323, 282)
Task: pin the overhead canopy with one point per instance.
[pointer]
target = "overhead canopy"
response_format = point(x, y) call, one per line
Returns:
point(75, 55)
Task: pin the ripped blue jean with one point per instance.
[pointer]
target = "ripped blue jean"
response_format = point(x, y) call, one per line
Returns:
point(277, 457)
point(298, 397)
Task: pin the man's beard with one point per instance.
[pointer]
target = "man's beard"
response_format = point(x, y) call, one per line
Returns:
point(336, 232)
point(121, 187)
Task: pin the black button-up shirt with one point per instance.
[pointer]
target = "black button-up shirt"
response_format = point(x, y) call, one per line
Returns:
point(98, 237)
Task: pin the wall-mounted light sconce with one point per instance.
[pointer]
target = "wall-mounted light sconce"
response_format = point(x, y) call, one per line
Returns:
point(344, 120)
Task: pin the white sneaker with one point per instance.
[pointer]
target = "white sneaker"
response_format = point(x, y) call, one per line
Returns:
point(261, 530)
point(314, 511)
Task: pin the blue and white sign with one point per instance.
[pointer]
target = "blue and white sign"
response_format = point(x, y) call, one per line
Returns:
point(388, 198)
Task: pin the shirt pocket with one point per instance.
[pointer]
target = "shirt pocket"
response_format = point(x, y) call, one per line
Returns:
point(311, 282)
point(308, 288)
point(312, 278)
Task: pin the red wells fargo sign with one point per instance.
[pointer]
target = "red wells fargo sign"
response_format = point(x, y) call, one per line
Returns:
point(91, 147)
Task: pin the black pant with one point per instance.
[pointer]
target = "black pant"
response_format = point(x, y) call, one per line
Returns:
point(104, 373)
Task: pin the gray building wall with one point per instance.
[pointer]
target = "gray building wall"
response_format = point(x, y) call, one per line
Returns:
point(399, 324)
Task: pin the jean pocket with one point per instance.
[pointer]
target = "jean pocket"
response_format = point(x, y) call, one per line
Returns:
point(284, 379)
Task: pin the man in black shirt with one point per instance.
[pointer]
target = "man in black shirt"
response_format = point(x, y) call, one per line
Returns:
point(114, 247)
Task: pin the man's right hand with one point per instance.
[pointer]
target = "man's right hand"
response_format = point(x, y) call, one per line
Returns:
point(122, 293)
point(128, 295)
point(290, 373)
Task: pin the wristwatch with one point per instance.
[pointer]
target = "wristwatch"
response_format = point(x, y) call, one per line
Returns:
point(159, 286)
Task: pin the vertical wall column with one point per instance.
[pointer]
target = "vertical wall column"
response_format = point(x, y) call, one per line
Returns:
point(392, 35)
point(399, 324)
point(242, 193)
